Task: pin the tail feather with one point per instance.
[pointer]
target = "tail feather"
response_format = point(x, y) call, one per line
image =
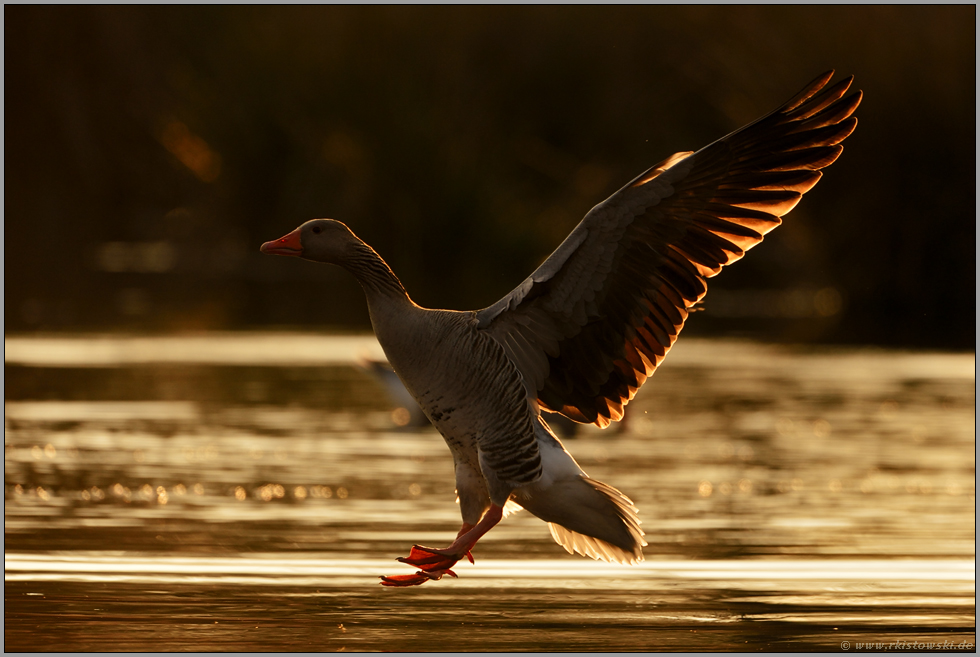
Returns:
point(590, 546)
point(591, 518)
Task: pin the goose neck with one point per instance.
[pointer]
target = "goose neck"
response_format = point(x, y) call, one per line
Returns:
point(373, 273)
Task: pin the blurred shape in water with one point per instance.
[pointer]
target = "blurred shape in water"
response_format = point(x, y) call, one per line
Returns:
point(407, 413)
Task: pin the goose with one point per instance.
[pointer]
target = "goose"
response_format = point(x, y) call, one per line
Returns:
point(583, 332)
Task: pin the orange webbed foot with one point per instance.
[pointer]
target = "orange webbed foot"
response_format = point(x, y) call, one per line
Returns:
point(433, 559)
point(436, 562)
point(421, 577)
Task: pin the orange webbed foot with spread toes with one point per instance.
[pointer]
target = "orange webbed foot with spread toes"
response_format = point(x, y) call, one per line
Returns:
point(436, 562)
point(421, 577)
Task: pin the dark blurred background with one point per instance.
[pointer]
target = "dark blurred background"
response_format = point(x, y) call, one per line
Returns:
point(149, 151)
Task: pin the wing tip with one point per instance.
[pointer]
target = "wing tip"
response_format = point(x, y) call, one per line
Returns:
point(809, 90)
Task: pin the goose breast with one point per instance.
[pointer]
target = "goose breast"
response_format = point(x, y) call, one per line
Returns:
point(472, 392)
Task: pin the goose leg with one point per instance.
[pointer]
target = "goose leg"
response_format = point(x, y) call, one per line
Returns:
point(436, 562)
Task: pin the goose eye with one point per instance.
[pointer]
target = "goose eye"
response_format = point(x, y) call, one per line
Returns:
point(317, 229)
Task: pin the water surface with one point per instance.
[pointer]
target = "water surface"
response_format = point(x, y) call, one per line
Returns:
point(244, 492)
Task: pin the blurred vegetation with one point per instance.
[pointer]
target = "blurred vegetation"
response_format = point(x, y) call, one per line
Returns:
point(151, 150)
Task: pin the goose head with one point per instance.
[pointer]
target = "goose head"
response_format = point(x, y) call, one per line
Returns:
point(320, 240)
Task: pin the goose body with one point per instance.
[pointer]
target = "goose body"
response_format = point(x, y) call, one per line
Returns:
point(587, 328)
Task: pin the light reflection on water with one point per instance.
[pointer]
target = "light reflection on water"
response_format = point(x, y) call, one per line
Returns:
point(784, 493)
point(272, 570)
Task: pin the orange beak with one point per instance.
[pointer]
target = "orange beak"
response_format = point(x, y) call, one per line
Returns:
point(289, 245)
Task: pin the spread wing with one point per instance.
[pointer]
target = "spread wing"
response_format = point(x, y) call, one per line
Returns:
point(595, 320)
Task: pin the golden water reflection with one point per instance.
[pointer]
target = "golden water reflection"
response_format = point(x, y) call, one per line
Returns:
point(788, 496)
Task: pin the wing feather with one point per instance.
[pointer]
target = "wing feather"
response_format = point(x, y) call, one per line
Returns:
point(597, 318)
